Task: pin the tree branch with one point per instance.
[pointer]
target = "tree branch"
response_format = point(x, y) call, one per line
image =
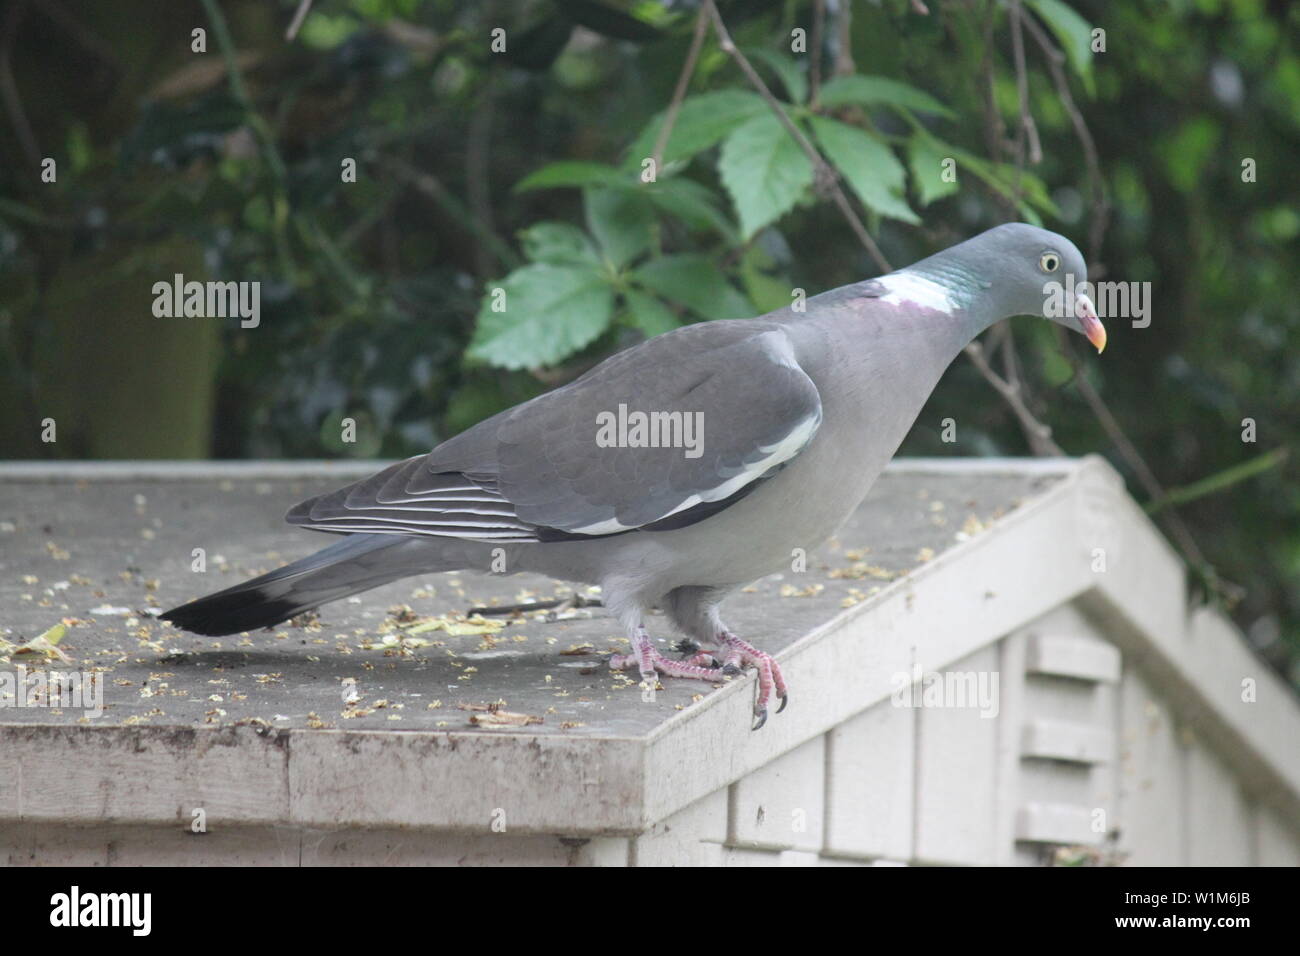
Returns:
point(13, 101)
point(1038, 434)
point(825, 178)
point(1096, 183)
point(815, 67)
point(679, 92)
point(299, 15)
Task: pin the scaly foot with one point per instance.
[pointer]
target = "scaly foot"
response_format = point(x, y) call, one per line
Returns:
point(738, 655)
point(699, 666)
point(703, 665)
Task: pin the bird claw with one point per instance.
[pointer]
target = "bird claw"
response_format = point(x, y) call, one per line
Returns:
point(785, 699)
point(760, 715)
point(730, 670)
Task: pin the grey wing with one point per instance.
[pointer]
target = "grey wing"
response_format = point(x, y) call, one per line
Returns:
point(722, 406)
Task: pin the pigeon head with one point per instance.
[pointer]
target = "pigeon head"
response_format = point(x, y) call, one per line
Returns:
point(1029, 271)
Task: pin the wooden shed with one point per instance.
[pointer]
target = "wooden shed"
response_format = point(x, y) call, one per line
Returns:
point(995, 662)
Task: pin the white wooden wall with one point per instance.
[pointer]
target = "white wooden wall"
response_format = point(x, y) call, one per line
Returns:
point(1084, 763)
point(1083, 757)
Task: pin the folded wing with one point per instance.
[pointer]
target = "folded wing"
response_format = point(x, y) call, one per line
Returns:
point(724, 405)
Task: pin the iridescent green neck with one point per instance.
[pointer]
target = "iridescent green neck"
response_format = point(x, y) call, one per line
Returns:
point(963, 284)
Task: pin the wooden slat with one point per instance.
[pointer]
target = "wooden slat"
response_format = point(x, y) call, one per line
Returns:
point(1220, 821)
point(1056, 823)
point(1066, 655)
point(1276, 843)
point(1066, 740)
point(870, 784)
point(781, 805)
point(956, 795)
point(1151, 776)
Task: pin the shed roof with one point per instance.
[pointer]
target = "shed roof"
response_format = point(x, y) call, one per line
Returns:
point(944, 557)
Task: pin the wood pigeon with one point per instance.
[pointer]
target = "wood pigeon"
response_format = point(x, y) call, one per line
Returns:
point(678, 471)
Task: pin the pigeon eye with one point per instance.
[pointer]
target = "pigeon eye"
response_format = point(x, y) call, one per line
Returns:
point(1049, 262)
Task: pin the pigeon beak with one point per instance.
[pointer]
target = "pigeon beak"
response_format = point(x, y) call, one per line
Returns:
point(1092, 326)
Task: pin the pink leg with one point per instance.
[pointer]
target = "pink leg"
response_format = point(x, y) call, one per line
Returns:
point(740, 655)
point(649, 660)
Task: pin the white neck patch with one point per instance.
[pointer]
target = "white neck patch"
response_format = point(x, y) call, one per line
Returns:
point(909, 288)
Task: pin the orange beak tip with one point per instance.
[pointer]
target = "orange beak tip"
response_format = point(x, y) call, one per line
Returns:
point(1092, 327)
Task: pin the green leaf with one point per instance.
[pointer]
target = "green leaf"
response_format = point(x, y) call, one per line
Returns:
point(701, 122)
point(764, 170)
point(1056, 369)
point(550, 312)
point(649, 314)
point(767, 293)
point(693, 204)
point(925, 156)
point(792, 78)
point(558, 243)
point(622, 222)
point(572, 173)
point(695, 282)
point(1073, 32)
point(1003, 179)
point(871, 168)
point(867, 90)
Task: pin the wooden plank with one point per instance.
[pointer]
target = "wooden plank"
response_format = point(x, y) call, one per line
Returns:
point(1152, 810)
point(782, 805)
point(691, 837)
point(1067, 824)
point(1220, 820)
point(1011, 715)
point(1276, 842)
point(957, 805)
point(129, 774)
point(553, 784)
point(1066, 655)
point(870, 791)
point(1066, 740)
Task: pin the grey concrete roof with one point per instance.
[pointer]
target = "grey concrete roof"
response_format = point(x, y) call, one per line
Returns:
point(256, 731)
point(123, 540)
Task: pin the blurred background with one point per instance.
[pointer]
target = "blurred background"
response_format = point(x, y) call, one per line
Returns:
point(221, 154)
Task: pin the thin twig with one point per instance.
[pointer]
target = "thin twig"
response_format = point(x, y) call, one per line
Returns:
point(994, 130)
point(815, 67)
point(299, 15)
point(1141, 470)
point(477, 180)
point(266, 140)
point(1096, 183)
point(844, 65)
point(1028, 131)
point(429, 185)
point(1038, 434)
point(1212, 484)
point(9, 89)
point(679, 92)
point(825, 177)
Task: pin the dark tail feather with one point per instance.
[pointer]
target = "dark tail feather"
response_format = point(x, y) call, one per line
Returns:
point(357, 563)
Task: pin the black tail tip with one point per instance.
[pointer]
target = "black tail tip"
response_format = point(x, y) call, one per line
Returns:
point(220, 614)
